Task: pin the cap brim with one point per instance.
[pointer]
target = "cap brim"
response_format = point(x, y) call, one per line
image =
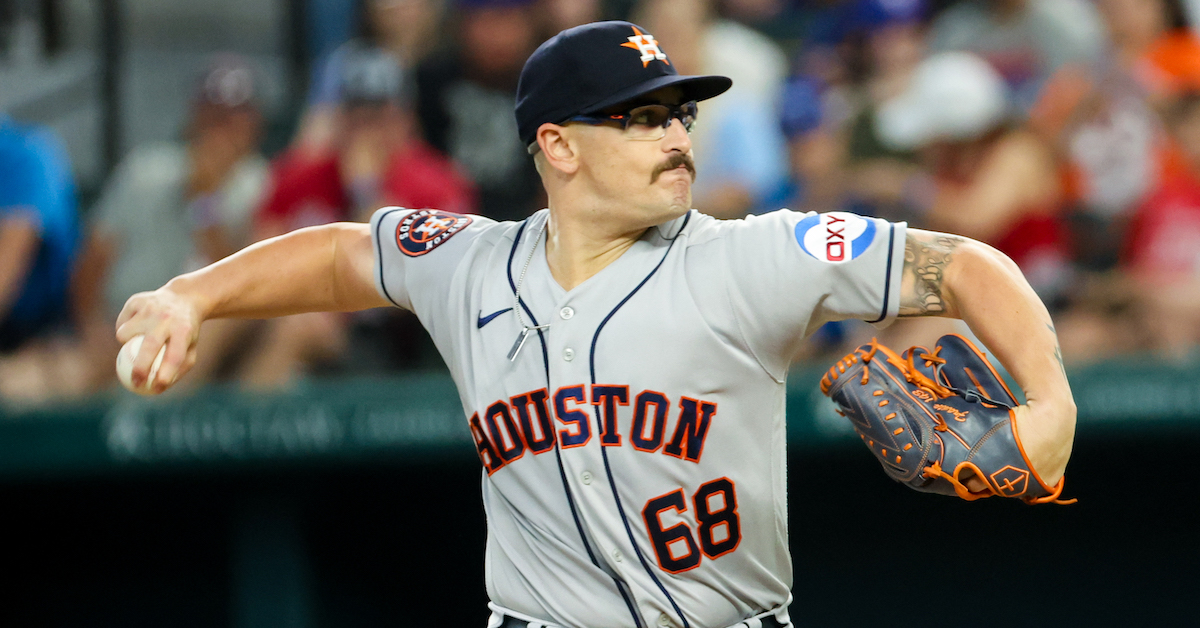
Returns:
point(693, 87)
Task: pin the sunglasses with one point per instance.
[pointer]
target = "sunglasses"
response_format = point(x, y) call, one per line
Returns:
point(648, 122)
point(644, 123)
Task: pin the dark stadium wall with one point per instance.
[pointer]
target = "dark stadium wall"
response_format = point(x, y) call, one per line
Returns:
point(401, 544)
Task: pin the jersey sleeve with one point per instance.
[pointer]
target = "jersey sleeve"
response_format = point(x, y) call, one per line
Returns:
point(791, 272)
point(417, 252)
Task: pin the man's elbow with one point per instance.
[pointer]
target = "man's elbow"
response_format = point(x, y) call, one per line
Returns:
point(977, 266)
point(982, 256)
point(353, 267)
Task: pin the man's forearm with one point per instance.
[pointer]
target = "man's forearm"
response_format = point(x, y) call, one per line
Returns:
point(985, 289)
point(317, 269)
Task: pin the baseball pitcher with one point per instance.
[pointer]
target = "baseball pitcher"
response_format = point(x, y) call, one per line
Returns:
point(622, 358)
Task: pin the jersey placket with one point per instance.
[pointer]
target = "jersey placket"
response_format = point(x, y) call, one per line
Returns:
point(578, 318)
point(575, 321)
point(561, 349)
point(574, 317)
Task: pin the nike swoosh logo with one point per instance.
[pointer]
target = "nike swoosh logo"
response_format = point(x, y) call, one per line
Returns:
point(484, 320)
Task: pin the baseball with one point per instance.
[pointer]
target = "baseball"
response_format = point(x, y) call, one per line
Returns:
point(125, 365)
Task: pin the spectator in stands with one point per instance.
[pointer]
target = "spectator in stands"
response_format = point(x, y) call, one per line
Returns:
point(406, 29)
point(1115, 151)
point(39, 226)
point(1162, 253)
point(816, 149)
point(559, 15)
point(1153, 44)
point(1027, 41)
point(1104, 123)
point(172, 207)
point(836, 155)
point(379, 159)
point(737, 141)
point(884, 181)
point(818, 103)
point(994, 180)
point(466, 100)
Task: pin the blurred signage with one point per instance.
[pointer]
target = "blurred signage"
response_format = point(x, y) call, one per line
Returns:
point(347, 420)
point(352, 420)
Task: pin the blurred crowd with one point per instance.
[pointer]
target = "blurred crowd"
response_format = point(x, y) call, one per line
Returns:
point(1066, 133)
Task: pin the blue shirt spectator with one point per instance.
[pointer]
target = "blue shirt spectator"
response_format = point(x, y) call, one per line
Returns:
point(39, 220)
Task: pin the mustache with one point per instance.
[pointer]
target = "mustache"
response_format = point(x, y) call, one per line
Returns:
point(676, 160)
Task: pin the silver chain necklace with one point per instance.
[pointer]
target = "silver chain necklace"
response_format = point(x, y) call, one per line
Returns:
point(525, 329)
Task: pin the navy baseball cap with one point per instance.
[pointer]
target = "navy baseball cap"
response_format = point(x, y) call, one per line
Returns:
point(588, 68)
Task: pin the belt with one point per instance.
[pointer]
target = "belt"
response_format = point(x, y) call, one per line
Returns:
point(765, 621)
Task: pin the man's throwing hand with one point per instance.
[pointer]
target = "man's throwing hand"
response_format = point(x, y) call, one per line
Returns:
point(165, 318)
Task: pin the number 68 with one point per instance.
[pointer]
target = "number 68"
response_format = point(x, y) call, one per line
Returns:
point(718, 526)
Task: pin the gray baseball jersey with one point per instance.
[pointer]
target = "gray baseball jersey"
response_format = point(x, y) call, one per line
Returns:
point(634, 450)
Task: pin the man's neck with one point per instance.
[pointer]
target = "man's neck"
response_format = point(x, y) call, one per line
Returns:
point(577, 249)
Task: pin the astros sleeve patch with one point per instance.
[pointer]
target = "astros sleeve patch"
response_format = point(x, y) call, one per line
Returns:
point(404, 272)
point(424, 230)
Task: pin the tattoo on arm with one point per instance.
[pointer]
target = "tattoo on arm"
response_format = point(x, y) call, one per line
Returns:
point(926, 256)
point(1057, 349)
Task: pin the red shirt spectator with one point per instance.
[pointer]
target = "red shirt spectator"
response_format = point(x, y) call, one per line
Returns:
point(1164, 237)
point(377, 159)
point(307, 192)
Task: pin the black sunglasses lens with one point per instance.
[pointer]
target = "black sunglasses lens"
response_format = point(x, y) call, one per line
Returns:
point(687, 114)
point(649, 116)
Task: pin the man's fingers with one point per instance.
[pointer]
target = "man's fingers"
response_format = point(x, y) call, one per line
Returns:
point(178, 346)
point(973, 482)
point(128, 326)
point(132, 307)
point(129, 329)
point(151, 343)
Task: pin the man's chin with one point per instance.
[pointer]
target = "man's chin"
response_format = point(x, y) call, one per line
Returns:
point(683, 201)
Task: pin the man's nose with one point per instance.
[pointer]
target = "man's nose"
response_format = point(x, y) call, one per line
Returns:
point(677, 137)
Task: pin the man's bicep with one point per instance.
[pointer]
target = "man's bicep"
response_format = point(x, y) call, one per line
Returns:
point(354, 267)
point(927, 256)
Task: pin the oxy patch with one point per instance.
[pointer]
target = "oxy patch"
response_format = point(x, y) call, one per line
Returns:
point(423, 231)
point(835, 237)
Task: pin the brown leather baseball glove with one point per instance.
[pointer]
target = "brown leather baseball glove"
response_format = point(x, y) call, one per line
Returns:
point(933, 418)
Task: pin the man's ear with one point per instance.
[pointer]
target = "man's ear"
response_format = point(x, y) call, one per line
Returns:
point(560, 152)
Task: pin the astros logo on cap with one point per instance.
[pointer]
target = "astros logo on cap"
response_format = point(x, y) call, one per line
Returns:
point(646, 44)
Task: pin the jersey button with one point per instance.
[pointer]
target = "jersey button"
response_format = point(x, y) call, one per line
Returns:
point(586, 477)
point(617, 555)
point(568, 354)
point(566, 313)
point(664, 620)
